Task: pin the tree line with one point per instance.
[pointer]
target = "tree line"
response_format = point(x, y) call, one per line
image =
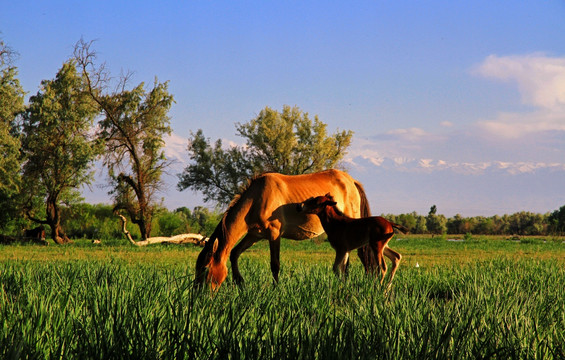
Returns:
point(97, 221)
point(522, 223)
point(48, 147)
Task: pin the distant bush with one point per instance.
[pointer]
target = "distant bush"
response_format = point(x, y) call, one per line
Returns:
point(90, 221)
point(172, 223)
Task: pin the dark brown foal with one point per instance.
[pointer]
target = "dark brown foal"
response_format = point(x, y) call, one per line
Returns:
point(346, 234)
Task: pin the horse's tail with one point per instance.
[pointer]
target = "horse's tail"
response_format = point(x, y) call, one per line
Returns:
point(402, 228)
point(365, 253)
point(364, 206)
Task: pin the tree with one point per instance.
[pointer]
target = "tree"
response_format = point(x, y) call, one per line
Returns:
point(291, 143)
point(455, 225)
point(420, 227)
point(132, 128)
point(556, 221)
point(288, 142)
point(436, 224)
point(219, 174)
point(58, 146)
point(11, 104)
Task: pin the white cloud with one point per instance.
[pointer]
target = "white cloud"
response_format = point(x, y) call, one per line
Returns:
point(517, 125)
point(408, 134)
point(426, 165)
point(541, 79)
point(395, 144)
point(175, 147)
point(541, 82)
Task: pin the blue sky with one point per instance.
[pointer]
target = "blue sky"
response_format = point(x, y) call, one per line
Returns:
point(455, 103)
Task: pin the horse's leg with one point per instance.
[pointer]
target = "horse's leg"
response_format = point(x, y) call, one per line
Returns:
point(347, 263)
point(243, 245)
point(395, 259)
point(367, 258)
point(275, 247)
point(341, 259)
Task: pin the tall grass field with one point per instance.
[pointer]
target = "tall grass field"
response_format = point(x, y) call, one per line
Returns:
point(473, 299)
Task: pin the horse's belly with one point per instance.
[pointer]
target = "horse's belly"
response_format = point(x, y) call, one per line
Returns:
point(302, 231)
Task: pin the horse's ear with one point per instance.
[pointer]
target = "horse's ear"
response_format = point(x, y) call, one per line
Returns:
point(331, 203)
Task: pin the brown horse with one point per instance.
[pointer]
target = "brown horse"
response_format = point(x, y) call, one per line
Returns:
point(266, 209)
point(346, 234)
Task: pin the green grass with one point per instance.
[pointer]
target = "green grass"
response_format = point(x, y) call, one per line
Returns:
point(476, 299)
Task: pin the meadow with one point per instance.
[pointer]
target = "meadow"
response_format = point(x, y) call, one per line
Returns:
point(479, 298)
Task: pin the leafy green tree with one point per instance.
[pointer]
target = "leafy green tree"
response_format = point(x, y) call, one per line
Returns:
point(217, 173)
point(556, 221)
point(527, 223)
point(408, 220)
point(58, 146)
point(287, 142)
point(436, 224)
point(132, 128)
point(11, 104)
point(455, 225)
point(420, 227)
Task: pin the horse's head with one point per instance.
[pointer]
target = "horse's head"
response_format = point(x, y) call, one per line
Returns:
point(315, 205)
point(209, 270)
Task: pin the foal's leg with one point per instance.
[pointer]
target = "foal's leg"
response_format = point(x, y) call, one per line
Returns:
point(377, 247)
point(243, 245)
point(395, 259)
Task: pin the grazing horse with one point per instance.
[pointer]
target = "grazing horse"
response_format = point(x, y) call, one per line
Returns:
point(266, 209)
point(346, 234)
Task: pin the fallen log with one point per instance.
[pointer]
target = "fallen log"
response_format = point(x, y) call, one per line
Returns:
point(195, 239)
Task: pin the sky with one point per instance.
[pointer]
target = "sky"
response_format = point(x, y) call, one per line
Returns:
point(458, 104)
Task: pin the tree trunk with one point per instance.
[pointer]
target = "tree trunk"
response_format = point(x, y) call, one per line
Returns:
point(196, 239)
point(53, 220)
point(144, 225)
point(58, 235)
point(142, 216)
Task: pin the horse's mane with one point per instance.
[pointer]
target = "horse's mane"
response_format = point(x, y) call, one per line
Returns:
point(244, 188)
point(221, 231)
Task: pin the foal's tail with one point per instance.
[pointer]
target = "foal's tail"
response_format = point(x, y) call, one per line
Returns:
point(403, 229)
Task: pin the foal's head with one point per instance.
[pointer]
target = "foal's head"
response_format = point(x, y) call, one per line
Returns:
point(316, 205)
